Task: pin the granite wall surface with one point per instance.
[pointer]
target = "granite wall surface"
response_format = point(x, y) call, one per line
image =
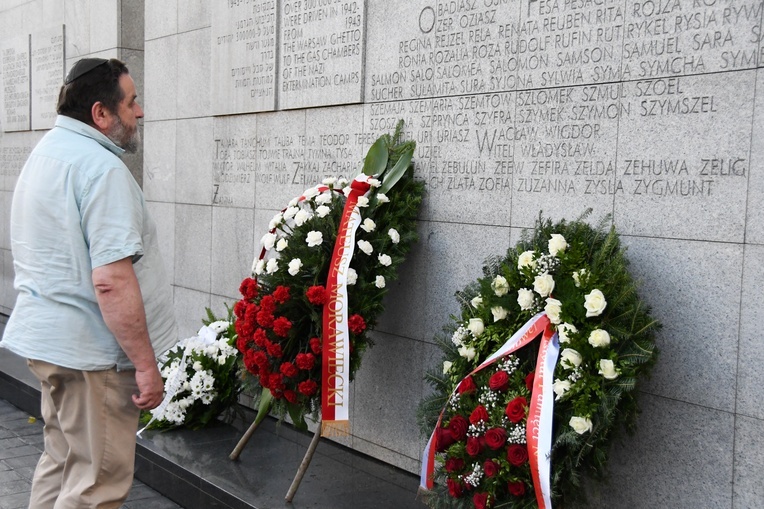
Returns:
point(648, 110)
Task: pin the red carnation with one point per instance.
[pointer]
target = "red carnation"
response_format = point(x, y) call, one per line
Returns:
point(241, 344)
point(308, 387)
point(274, 350)
point(454, 464)
point(261, 359)
point(248, 288)
point(491, 468)
point(455, 488)
point(281, 294)
point(276, 381)
point(529, 380)
point(479, 414)
point(240, 308)
point(265, 319)
point(288, 369)
point(244, 328)
point(458, 426)
point(474, 446)
point(495, 438)
point(499, 381)
point(516, 488)
point(357, 324)
point(260, 338)
point(480, 500)
point(268, 304)
point(467, 386)
point(281, 326)
point(517, 454)
point(305, 361)
point(317, 295)
point(249, 362)
point(315, 345)
point(290, 396)
point(516, 409)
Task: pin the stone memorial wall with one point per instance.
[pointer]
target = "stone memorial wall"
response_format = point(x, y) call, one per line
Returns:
point(651, 111)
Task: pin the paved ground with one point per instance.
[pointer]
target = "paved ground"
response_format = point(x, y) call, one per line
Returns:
point(20, 448)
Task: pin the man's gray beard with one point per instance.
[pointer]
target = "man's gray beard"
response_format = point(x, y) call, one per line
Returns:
point(120, 137)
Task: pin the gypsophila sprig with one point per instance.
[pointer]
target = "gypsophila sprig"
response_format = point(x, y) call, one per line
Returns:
point(577, 275)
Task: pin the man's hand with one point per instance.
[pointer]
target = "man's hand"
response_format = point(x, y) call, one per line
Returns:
point(150, 389)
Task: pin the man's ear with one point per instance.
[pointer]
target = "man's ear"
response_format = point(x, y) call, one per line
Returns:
point(101, 116)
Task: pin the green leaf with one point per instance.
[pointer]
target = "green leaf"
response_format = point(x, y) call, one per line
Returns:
point(376, 158)
point(298, 417)
point(265, 404)
point(397, 171)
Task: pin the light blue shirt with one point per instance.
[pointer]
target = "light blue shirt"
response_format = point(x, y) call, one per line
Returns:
point(76, 207)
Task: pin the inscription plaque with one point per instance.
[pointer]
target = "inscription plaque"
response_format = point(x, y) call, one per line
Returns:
point(47, 75)
point(321, 52)
point(16, 96)
point(243, 56)
point(234, 161)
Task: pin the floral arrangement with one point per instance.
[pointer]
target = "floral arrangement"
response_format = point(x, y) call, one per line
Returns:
point(279, 318)
point(201, 377)
point(577, 277)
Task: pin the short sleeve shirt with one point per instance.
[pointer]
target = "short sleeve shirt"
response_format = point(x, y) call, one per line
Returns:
point(77, 207)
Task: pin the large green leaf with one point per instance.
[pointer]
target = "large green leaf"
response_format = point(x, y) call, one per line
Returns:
point(397, 171)
point(376, 159)
point(265, 404)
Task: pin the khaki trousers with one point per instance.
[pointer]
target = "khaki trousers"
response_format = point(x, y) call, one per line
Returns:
point(90, 426)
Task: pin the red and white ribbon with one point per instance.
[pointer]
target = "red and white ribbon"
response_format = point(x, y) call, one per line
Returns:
point(539, 422)
point(335, 358)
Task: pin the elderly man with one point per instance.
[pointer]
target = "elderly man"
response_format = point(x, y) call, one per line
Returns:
point(94, 308)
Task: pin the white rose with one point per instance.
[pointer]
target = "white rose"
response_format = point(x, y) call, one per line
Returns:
point(379, 282)
point(281, 244)
point(526, 259)
point(294, 266)
point(570, 358)
point(314, 238)
point(560, 387)
point(579, 276)
point(607, 369)
point(543, 284)
point(328, 181)
point(259, 267)
point(500, 286)
point(368, 225)
point(476, 326)
point(323, 211)
point(563, 330)
point(352, 276)
point(476, 301)
point(290, 212)
point(552, 309)
point(382, 198)
point(467, 352)
point(363, 201)
point(394, 235)
point(599, 338)
point(556, 244)
point(365, 246)
point(595, 303)
point(499, 313)
point(447, 366)
point(301, 217)
point(268, 241)
point(272, 266)
point(277, 219)
point(323, 198)
point(525, 299)
point(385, 260)
point(580, 424)
point(310, 193)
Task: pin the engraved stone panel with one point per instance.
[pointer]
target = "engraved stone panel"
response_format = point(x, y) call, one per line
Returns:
point(231, 249)
point(14, 150)
point(193, 233)
point(320, 52)
point(47, 75)
point(243, 56)
point(159, 161)
point(334, 147)
point(693, 170)
point(281, 153)
point(754, 231)
point(16, 82)
point(234, 161)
